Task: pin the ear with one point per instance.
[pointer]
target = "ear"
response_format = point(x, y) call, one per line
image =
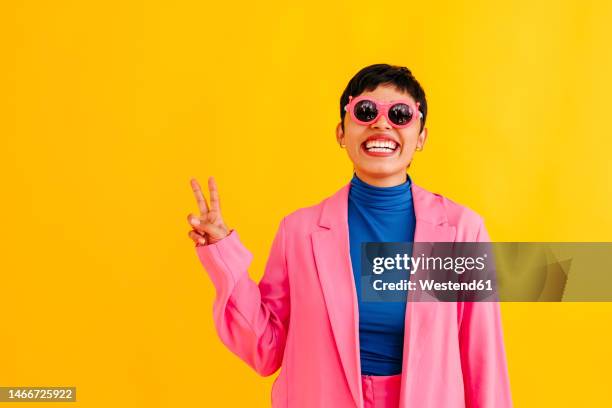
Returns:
point(339, 133)
point(421, 139)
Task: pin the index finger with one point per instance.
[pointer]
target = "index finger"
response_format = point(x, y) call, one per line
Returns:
point(197, 192)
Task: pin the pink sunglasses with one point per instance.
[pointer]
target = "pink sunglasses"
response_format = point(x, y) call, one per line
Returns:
point(400, 113)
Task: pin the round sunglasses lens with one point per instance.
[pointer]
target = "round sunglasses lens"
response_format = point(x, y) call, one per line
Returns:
point(400, 114)
point(365, 110)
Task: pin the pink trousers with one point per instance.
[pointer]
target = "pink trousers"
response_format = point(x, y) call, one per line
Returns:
point(381, 391)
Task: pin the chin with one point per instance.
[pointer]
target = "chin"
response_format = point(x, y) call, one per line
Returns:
point(382, 170)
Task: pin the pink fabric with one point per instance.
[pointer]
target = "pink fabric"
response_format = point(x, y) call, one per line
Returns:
point(302, 315)
point(381, 391)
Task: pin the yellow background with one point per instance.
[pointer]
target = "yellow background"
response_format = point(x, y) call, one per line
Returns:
point(112, 106)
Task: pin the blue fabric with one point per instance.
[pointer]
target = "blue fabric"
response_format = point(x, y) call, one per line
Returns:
point(379, 214)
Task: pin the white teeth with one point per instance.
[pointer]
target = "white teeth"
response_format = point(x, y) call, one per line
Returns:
point(380, 149)
point(388, 144)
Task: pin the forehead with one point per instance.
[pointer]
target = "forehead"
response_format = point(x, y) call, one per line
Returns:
point(387, 93)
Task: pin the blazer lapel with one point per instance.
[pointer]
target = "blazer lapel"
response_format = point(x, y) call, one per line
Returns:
point(332, 257)
point(431, 226)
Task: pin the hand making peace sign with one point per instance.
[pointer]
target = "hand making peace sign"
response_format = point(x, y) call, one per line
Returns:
point(209, 227)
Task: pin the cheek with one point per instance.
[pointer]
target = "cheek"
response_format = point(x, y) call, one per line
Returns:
point(353, 134)
point(409, 138)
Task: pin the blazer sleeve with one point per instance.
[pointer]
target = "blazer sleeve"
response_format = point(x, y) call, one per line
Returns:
point(251, 319)
point(481, 343)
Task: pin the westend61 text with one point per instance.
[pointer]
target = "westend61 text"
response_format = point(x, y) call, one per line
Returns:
point(431, 284)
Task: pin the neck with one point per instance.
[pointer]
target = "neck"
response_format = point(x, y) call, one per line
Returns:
point(382, 181)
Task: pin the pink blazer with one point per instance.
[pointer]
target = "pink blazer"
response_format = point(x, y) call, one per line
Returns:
point(302, 316)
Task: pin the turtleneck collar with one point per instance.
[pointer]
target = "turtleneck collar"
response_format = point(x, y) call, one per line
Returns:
point(383, 198)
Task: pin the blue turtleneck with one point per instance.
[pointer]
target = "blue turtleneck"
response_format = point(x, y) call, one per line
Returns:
point(379, 214)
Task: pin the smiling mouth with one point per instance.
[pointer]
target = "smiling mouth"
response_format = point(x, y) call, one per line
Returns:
point(377, 146)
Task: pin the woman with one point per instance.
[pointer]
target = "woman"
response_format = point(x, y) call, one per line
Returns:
point(307, 316)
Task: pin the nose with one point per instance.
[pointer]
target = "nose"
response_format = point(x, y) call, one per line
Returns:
point(381, 123)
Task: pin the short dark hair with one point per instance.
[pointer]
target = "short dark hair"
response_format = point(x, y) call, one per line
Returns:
point(371, 76)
